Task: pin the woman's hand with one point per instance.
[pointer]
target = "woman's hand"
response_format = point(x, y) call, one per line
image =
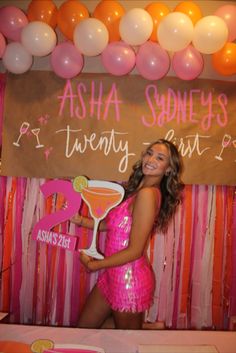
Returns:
point(77, 219)
point(90, 263)
point(85, 259)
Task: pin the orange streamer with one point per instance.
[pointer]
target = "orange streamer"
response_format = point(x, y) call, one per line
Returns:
point(8, 238)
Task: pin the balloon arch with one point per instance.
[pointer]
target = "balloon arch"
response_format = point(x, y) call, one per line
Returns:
point(151, 39)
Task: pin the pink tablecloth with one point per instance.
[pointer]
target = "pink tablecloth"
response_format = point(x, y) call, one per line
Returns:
point(118, 341)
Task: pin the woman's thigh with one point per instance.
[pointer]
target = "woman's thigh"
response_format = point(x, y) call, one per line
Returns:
point(128, 320)
point(95, 311)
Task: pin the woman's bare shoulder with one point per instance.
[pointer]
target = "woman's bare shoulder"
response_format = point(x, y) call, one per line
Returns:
point(148, 194)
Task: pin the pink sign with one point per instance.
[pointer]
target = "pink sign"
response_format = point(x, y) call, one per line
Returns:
point(64, 241)
point(42, 230)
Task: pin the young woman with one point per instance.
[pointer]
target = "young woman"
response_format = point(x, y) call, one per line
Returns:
point(126, 285)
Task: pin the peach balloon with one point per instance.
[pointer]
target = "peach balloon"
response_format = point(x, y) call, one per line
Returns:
point(190, 9)
point(175, 31)
point(210, 34)
point(158, 11)
point(70, 13)
point(110, 13)
point(136, 26)
point(91, 37)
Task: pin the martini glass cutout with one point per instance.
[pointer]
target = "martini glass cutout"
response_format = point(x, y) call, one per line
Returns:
point(101, 197)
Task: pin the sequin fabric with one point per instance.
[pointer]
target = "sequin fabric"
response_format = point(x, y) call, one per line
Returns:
point(129, 287)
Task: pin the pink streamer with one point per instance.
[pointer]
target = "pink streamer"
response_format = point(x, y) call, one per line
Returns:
point(178, 268)
point(196, 263)
point(207, 264)
point(204, 205)
point(17, 279)
point(233, 287)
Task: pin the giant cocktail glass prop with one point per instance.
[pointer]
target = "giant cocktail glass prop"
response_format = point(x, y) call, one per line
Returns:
point(101, 197)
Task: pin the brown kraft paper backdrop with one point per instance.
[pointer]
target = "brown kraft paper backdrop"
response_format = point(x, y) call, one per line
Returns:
point(97, 125)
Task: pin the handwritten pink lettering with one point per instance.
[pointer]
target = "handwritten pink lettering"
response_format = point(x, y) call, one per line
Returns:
point(183, 107)
point(95, 101)
point(222, 120)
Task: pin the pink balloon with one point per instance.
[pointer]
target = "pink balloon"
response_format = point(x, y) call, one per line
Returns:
point(12, 20)
point(2, 45)
point(187, 63)
point(118, 58)
point(228, 14)
point(66, 60)
point(152, 61)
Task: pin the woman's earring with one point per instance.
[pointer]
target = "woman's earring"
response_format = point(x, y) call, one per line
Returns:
point(167, 173)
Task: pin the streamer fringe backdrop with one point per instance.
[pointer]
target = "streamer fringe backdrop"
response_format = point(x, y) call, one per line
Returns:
point(194, 263)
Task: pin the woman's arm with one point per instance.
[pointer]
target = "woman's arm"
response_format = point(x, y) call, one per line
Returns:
point(144, 211)
point(88, 222)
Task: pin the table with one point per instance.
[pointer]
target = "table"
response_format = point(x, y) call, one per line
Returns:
point(119, 341)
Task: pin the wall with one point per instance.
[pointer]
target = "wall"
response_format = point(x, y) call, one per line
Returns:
point(92, 64)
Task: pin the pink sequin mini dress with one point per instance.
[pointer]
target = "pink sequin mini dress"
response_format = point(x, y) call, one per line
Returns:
point(129, 287)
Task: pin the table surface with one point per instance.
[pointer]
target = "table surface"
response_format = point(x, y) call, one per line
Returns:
point(119, 341)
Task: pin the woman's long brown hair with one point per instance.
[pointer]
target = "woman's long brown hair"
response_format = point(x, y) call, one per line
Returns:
point(171, 185)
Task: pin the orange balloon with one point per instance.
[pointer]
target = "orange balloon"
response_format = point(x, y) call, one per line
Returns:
point(44, 11)
point(224, 61)
point(190, 9)
point(158, 11)
point(70, 13)
point(110, 13)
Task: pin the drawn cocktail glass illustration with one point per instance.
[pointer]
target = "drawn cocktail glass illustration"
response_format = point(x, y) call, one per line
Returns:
point(101, 197)
point(23, 130)
point(36, 134)
point(225, 142)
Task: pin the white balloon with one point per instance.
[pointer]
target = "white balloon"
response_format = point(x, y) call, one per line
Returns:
point(16, 58)
point(136, 26)
point(91, 36)
point(38, 38)
point(175, 31)
point(210, 34)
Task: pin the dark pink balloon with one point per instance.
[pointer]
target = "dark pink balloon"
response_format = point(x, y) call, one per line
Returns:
point(187, 63)
point(2, 45)
point(118, 58)
point(152, 61)
point(12, 20)
point(66, 60)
